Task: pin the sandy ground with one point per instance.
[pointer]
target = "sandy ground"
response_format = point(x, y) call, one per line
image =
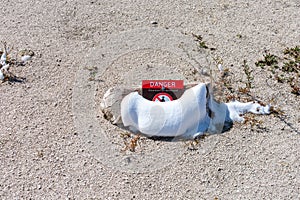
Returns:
point(54, 142)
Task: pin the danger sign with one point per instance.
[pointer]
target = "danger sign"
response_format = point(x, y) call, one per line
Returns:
point(158, 84)
point(162, 97)
point(162, 90)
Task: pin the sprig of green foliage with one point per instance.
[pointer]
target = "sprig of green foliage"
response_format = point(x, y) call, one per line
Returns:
point(284, 70)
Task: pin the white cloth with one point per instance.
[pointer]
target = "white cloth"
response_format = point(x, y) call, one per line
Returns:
point(193, 114)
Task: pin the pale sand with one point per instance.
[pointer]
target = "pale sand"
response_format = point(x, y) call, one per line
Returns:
point(55, 144)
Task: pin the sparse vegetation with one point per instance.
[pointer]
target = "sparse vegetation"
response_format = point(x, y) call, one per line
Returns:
point(225, 90)
point(284, 70)
point(202, 44)
point(93, 72)
point(130, 141)
point(269, 60)
point(248, 73)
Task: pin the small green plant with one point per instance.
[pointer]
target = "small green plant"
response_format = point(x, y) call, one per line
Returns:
point(292, 63)
point(201, 43)
point(293, 52)
point(269, 60)
point(290, 66)
point(284, 70)
point(248, 72)
point(93, 72)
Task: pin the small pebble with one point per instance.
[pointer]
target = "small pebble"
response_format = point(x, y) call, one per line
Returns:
point(220, 67)
point(5, 67)
point(1, 75)
point(205, 72)
point(25, 58)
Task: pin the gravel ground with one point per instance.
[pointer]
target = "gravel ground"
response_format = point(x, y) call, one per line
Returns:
point(55, 143)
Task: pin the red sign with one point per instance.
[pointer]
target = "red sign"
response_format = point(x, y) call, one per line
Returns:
point(158, 84)
point(162, 90)
point(162, 97)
